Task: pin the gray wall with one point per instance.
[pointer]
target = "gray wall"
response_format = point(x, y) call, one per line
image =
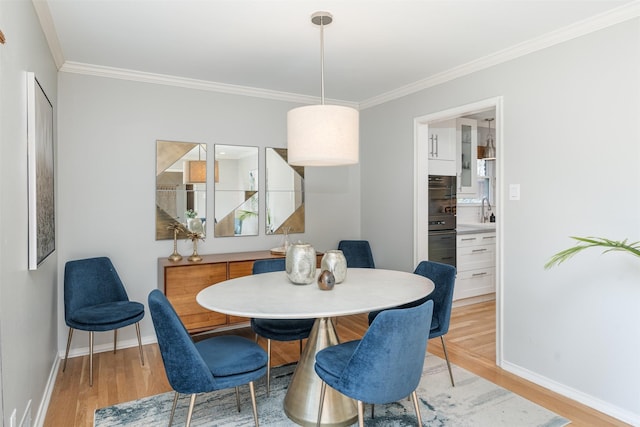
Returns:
point(28, 315)
point(107, 141)
point(573, 328)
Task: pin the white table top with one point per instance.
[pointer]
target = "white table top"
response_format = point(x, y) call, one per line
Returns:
point(273, 296)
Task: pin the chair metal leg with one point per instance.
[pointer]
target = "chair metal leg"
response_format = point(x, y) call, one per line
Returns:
point(192, 403)
point(446, 356)
point(414, 397)
point(268, 366)
point(115, 340)
point(252, 389)
point(173, 407)
point(139, 343)
point(323, 390)
point(238, 398)
point(66, 354)
point(91, 359)
point(360, 413)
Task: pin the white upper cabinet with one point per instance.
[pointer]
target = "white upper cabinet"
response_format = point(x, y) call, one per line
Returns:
point(440, 140)
point(467, 152)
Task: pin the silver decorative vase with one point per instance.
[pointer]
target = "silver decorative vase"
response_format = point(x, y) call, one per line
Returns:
point(300, 263)
point(334, 261)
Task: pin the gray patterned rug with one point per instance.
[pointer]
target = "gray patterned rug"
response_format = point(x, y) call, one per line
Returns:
point(473, 402)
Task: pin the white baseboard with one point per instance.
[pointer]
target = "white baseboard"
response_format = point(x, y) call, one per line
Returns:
point(101, 348)
point(578, 396)
point(48, 391)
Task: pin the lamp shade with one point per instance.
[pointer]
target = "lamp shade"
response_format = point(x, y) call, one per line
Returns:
point(490, 153)
point(194, 172)
point(323, 135)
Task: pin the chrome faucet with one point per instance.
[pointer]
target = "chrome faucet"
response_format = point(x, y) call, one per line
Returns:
point(485, 217)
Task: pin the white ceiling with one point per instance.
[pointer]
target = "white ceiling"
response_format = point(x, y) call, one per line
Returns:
point(372, 48)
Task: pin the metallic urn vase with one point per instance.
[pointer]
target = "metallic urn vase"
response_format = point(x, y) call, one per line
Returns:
point(301, 263)
point(334, 261)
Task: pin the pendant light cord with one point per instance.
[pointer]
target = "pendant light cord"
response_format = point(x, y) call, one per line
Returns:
point(322, 61)
point(321, 19)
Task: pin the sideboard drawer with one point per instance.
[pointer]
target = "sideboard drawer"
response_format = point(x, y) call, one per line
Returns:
point(240, 269)
point(183, 284)
point(193, 278)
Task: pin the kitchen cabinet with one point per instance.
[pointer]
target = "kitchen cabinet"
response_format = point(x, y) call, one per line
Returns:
point(467, 152)
point(182, 280)
point(476, 265)
point(440, 139)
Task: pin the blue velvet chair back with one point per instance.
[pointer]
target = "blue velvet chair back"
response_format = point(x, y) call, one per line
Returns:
point(279, 329)
point(269, 265)
point(387, 364)
point(444, 278)
point(186, 369)
point(89, 282)
point(358, 253)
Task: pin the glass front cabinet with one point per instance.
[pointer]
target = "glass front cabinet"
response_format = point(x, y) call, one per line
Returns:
point(467, 151)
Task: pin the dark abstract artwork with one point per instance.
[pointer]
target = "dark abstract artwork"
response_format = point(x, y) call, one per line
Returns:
point(42, 232)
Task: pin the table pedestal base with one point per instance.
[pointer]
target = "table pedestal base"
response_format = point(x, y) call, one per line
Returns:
point(302, 401)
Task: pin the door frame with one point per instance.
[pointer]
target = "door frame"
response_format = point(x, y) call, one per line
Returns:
point(420, 186)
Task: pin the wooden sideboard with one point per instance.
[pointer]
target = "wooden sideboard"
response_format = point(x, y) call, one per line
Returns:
point(182, 280)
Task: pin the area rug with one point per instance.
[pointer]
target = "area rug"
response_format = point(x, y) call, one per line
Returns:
point(473, 402)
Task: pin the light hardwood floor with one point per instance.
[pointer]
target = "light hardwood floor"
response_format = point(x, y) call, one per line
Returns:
point(120, 378)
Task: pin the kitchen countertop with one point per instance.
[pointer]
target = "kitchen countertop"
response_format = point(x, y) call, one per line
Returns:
point(486, 227)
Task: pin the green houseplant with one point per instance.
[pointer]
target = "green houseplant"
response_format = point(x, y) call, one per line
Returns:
point(594, 242)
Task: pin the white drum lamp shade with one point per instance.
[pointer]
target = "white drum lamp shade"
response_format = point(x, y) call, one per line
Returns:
point(323, 135)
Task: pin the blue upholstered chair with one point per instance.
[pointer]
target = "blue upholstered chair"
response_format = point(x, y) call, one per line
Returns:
point(358, 253)
point(95, 301)
point(444, 278)
point(385, 365)
point(278, 329)
point(212, 364)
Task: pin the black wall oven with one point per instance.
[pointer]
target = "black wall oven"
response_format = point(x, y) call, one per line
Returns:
point(442, 219)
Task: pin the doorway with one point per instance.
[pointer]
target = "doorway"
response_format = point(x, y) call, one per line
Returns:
point(478, 111)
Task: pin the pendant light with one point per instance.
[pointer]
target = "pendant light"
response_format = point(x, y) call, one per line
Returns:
point(322, 135)
point(490, 150)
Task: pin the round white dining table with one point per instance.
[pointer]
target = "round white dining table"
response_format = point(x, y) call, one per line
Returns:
point(273, 296)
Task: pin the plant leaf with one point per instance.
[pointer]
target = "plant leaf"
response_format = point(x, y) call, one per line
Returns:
point(590, 242)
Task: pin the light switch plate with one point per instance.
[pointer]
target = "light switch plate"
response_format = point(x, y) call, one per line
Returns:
point(514, 191)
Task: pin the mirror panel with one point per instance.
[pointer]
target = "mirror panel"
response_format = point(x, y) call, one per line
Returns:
point(284, 193)
point(236, 191)
point(181, 186)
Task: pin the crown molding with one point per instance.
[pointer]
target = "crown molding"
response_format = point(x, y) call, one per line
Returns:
point(49, 29)
point(168, 80)
point(607, 19)
point(587, 26)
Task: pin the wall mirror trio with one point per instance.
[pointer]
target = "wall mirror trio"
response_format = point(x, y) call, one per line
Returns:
point(181, 190)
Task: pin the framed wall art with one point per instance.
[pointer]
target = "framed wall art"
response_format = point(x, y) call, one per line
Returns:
point(42, 231)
